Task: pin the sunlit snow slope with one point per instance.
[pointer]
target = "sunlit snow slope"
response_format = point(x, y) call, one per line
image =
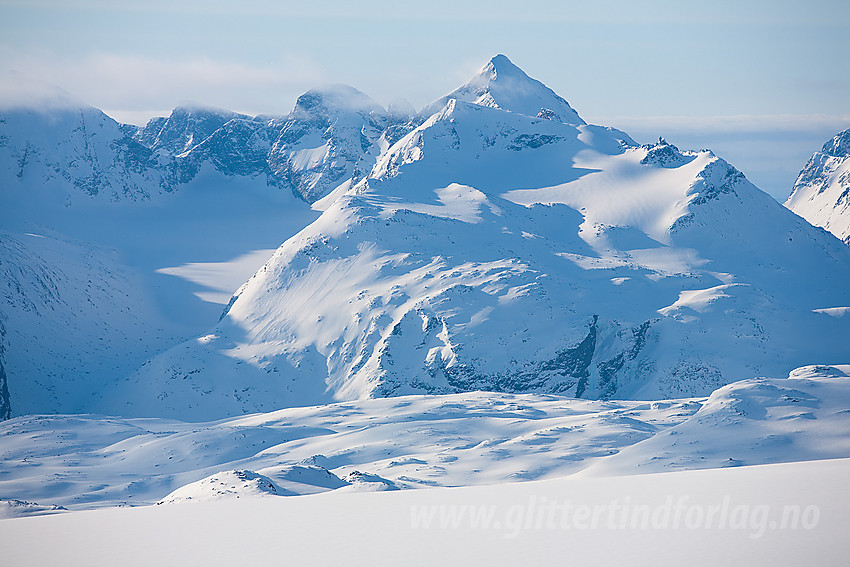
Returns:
point(821, 194)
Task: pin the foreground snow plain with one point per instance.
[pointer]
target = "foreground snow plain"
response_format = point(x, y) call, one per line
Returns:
point(786, 514)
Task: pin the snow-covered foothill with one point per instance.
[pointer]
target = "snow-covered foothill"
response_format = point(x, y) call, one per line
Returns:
point(224, 485)
point(423, 441)
point(369, 445)
point(800, 418)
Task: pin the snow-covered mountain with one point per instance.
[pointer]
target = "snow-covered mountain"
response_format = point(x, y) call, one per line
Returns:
point(330, 137)
point(494, 241)
point(72, 318)
point(821, 193)
point(95, 213)
point(501, 84)
point(498, 246)
point(78, 151)
point(73, 153)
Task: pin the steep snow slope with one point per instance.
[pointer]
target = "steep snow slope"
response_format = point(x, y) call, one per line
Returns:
point(821, 194)
point(71, 319)
point(489, 249)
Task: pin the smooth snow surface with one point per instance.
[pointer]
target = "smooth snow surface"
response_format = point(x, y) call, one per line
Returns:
point(741, 516)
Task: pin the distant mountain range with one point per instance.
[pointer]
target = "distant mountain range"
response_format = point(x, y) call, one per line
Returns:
point(493, 241)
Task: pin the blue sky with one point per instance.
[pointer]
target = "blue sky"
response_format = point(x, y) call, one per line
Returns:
point(763, 83)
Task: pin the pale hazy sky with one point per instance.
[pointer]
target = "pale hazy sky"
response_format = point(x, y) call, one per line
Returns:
point(763, 83)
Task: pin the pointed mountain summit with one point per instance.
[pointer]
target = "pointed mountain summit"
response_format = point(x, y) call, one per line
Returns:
point(501, 84)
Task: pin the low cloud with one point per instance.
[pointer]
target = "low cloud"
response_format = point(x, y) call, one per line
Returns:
point(748, 123)
point(134, 84)
point(18, 90)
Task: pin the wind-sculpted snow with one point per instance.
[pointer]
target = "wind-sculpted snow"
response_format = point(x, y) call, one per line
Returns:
point(821, 193)
point(490, 250)
point(803, 417)
point(371, 445)
point(421, 441)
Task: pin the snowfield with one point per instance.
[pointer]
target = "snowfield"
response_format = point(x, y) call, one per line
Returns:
point(785, 514)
